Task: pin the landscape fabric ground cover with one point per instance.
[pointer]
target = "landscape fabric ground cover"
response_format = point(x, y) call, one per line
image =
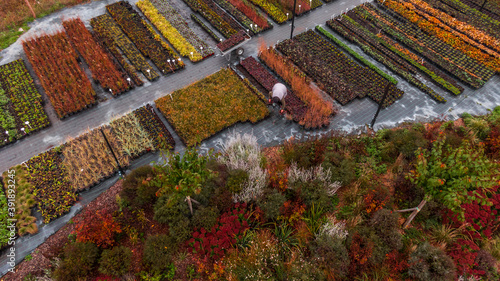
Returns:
point(210, 105)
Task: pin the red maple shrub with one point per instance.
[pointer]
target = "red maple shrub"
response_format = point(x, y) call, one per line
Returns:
point(360, 251)
point(397, 263)
point(464, 253)
point(483, 220)
point(214, 243)
point(98, 227)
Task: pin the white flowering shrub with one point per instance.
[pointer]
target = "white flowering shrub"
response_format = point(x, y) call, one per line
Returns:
point(296, 174)
point(333, 228)
point(243, 152)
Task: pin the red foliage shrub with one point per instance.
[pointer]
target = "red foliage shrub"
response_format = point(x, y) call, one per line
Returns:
point(98, 227)
point(484, 220)
point(464, 253)
point(292, 210)
point(397, 263)
point(360, 251)
point(214, 243)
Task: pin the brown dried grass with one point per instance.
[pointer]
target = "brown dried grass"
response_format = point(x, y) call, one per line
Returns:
point(14, 12)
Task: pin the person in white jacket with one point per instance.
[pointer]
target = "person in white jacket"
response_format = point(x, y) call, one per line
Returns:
point(277, 96)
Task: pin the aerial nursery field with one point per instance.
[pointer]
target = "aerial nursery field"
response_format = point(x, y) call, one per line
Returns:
point(21, 105)
point(114, 39)
point(303, 102)
point(55, 63)
point(52, 179)
point(169, 31)
point(173, 18)
point(144, 37)
point(210, 105)
point(335, 72)
point(443, 41)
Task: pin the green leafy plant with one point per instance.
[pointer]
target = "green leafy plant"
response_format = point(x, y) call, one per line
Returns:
point(182, 176)
point(115, 262)
point(448, 174)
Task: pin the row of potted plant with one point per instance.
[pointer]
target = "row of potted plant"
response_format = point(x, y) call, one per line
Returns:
point(8, 124)
point(24, 199)
point(25, 100)
point(58, 174)
point(214, 18)
point(210, 105)
point(109, 31)
point(107, 42)
point(103, 70)
point(55, 63)
point(439, 78)
point(168, 31)
point(53, 192)
point(157, 131)
point(488, 9)
point(232, 41)
point(471, 31)
point(456, 40)
point(249, 10)
point(88, 159)
point(225, 15)
point(328, 65)
point(271, 10)
point(469, 15)
point(318, 111)
point(178, 22)
point(206, 28)
point(464, 31)
point(238, 16)
point(386, 59)
point(259, 72)
point(293, 105)
point(144, 37)
point(459, 64)
point(356, 55)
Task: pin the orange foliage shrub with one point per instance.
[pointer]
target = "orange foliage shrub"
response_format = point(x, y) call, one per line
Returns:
point(98, 227)
point(318, 110)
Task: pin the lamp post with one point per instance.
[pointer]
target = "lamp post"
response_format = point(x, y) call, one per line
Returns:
point(293, 18)
point(482, 6)
point(380, 105)
point(28, 123)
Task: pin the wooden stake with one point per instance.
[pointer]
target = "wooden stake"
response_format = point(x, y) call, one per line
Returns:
point(31, 9)
point(415, 212)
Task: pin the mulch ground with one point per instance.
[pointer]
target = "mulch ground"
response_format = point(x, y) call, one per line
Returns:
point(51, 248)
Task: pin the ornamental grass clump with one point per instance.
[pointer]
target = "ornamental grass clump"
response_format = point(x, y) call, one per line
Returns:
point(243, 152)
